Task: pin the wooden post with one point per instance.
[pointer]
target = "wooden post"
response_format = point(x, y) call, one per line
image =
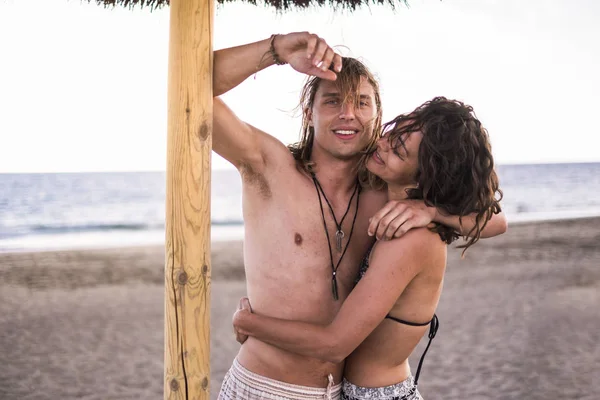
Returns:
point(187, 256)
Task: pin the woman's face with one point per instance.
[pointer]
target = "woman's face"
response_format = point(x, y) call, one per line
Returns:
point(396, 165)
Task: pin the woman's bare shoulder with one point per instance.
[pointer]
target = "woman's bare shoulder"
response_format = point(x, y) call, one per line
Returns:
point(418, 243)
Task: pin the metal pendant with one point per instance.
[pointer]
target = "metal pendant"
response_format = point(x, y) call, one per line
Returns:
point(339, 235)
point(334, 288)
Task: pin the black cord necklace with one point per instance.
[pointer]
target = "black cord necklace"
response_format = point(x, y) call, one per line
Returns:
point(339, 233)
point(334, 268)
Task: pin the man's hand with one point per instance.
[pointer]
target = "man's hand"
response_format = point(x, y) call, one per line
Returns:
point(399, 216)
point(309, 54)
point(243, 307)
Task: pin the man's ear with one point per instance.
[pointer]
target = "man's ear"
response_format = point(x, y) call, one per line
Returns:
point(308, 116)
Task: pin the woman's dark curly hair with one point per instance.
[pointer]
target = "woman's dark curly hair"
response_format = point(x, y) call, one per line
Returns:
point(455, 170)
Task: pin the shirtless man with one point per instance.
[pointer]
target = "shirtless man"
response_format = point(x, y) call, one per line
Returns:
point(292, 244)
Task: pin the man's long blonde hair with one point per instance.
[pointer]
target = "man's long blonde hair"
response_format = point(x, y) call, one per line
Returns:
point(348, 83)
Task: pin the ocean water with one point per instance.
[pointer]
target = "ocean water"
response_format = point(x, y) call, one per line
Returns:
point(84, 210)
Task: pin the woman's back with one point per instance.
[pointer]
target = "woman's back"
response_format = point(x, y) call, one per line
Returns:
point(382, 359)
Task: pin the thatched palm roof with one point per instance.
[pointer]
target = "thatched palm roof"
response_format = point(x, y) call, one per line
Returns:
point(280, 5)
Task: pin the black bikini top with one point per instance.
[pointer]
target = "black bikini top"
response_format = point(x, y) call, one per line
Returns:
point(434, 322)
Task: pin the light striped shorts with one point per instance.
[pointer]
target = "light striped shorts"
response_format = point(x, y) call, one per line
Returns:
point(405, 390)
point(241, 384)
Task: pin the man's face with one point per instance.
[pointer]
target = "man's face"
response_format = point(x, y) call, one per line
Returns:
point(398, 164)
point(343, 128)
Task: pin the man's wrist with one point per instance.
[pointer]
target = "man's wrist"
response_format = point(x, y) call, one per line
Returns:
point(277, 59)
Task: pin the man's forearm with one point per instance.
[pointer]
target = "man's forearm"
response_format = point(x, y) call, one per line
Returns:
point(233, 65)
point(495, 226)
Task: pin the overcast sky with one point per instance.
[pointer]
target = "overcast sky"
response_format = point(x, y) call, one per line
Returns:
point(83, 88)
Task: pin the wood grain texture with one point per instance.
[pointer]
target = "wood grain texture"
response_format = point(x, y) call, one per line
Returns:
point(187, 249)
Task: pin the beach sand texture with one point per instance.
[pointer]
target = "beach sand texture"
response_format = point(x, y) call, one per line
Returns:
point(519, 319)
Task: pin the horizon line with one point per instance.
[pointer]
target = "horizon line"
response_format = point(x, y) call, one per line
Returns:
point(232, 168)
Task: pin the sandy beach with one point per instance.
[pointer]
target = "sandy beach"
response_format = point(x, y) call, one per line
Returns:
point(518, 320)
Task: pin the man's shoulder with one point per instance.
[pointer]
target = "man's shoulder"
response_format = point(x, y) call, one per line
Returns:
point(284, 176)
point(372, 198)
point(375, 193)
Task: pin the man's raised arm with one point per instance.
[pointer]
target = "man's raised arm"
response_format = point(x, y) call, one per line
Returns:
point(238, 142)
point(305, 52)
point(233, 65)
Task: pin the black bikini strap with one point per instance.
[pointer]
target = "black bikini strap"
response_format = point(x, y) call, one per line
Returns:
point(435, 323)
point(407, 322)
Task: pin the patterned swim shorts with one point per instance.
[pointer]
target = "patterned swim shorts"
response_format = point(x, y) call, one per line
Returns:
point(405, 390)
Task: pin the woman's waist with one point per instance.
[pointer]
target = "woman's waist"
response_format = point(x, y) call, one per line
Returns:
point(376, 370)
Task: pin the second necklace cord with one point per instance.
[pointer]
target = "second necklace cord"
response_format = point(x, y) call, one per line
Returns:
point(339, 237)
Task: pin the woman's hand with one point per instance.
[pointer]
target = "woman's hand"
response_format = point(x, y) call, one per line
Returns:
point(398, 217)
point(243, 308)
